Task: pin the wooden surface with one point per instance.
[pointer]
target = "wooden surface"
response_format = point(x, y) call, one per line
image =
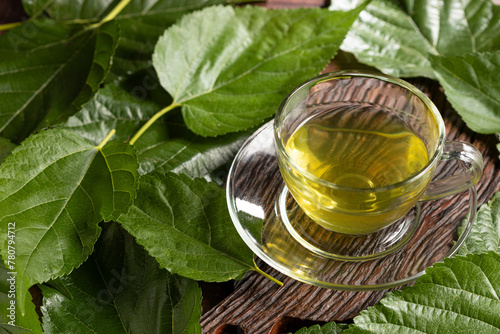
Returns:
point(256, 305)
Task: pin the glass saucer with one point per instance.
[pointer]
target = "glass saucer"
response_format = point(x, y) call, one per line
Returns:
point(265, 216)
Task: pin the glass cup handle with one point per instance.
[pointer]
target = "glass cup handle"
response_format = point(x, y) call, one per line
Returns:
point(472, 161)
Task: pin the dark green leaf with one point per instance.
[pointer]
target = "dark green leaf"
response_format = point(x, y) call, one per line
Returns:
point(120, 289)
point(141, 23)
point(11, 319)
point(5, 148)
point(472, 85)
point(230, 68)
point(44, 66)
point(329, 328)
point(64, 10)
point(151, 17)
point(114, 108)
point(485, 233)
point(104, 51)
point(460, 295)
point(191, 154)
point(401, 42)
point(166, 146)
point(56, 187)
point(185, 225)
point(59, 285)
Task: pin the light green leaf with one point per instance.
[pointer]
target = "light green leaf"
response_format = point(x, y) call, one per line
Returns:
point(456, 27)
point(472, 85)
point(400, 42)
point(11, 319)
point(387, 38)
point(121, 289)
point(230, 68)
point(43, 73)
point(329, 328)
point(55, 188)
point(185, 225)
point(460, 295)
point(485, 233)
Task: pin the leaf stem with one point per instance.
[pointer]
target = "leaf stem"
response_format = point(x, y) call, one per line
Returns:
point(266, 275)
point(111, 14)
point(152, 120)
point(9, 26)
point(108, 137)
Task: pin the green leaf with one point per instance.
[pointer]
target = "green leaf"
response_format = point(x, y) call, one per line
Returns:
point(5, 148)
point(166, 146)
point(11, 319)
point(455, 27)
point(144, 14)
point(106, 43)
point(121, 289)
point(185, 225)
point(386, 37)
point(141, 23)
point(400, 42)
point(44, 66)
point(59, 285)
point(230, 68)
point(460, 295)
point(190, 154)
point(114, 108)
point(55, 188)
point(485, 233)
point(472, 85)
point(64, 10)
point(329, 328)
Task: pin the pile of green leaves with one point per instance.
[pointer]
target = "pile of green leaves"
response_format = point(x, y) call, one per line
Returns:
point(118, 120)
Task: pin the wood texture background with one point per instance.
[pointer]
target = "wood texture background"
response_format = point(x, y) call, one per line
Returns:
point(255, 305)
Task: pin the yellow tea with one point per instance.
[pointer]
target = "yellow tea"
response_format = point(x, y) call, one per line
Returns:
point(361, 147)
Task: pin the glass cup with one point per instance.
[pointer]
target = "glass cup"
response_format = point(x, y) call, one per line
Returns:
point(358, 150)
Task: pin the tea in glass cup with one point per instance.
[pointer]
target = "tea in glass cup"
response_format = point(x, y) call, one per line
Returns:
point(358, 150)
